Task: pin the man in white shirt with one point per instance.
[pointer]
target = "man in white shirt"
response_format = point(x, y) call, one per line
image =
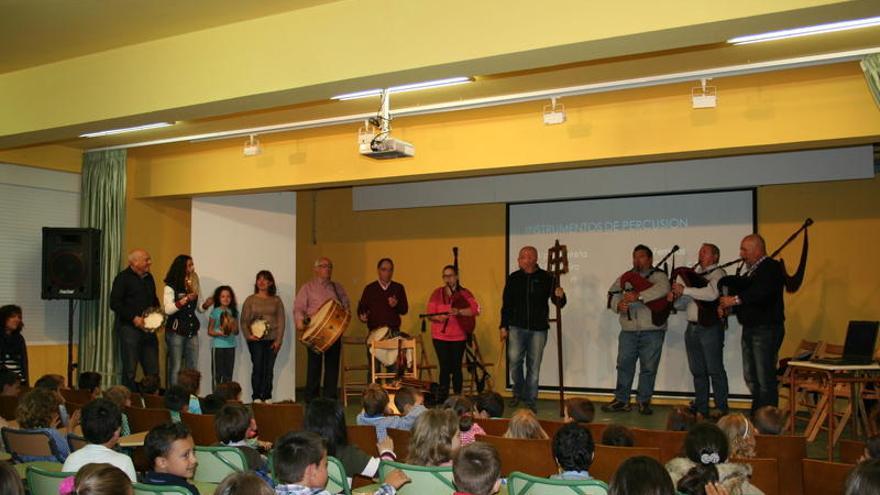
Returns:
point(101, 420)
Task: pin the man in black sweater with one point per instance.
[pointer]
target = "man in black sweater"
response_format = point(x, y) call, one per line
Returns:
point(524, 315)
point(134, 291)
point(760, 309)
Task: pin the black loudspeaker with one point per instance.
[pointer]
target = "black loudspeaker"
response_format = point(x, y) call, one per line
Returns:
point(71, 263)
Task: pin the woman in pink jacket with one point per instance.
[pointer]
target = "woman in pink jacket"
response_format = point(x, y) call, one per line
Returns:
point(454, 310)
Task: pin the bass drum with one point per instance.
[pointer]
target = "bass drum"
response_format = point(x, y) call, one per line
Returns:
point(326, 326)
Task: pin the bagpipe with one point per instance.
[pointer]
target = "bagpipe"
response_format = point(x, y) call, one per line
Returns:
point(707, 311)
point(733, 285)
point(633, 281)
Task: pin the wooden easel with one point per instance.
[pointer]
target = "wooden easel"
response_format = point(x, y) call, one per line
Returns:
point(557, 264)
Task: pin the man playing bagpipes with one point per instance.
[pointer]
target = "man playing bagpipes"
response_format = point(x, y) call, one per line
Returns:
point(696, 291)
point(639, 297)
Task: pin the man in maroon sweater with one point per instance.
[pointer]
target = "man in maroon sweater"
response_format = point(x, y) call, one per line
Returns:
point(383, 301)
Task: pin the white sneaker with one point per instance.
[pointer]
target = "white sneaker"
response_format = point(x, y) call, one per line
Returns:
point(267, 401)
point(258, 401)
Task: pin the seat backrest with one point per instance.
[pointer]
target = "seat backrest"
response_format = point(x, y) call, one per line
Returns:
point(597, 429)
point(144, 489)
point(607, 459)
point(76, 442)
point(364, 436)
point(670, 443)
point(425, 480)
point(8, 404)
point(144, 419)
point(274, 420)
point(201, 426)
point(41, 480)
point(517, 454)
point(765, 473)
point(851, 451)
point(337, 480)
point(823, 477)
point(401, 440)
point(550, 426)
point(153, 401)
point(216, 463)
point(526, 484)
point(495, 427)
point(22, 444)
point(789, 450)
point(78, 396)
point(404, 345)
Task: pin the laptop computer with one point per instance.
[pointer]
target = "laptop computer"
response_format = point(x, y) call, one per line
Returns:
point(861, 339)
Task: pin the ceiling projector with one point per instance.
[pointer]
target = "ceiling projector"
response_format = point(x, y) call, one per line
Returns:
point(374, 143)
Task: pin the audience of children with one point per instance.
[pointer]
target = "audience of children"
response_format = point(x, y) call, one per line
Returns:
point(326, 418)
point(435, 438)
point(101, 421)
point(300, 467)
point(54, 383)
point(579, 410)
point(740, 433)
point(573, 448)
point(769, 420)
point(476, 470)
point(171, 455)
point(38, 410)
point(707, 448)
point(376, 413)
point(524, 424)
point(464, 409)
point(151, 385)
point(212, 403)
point(616, 435)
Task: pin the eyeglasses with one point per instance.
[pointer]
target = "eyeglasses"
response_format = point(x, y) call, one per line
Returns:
point(324, 265)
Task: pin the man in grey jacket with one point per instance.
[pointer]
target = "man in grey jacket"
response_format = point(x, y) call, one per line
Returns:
point(640, 338)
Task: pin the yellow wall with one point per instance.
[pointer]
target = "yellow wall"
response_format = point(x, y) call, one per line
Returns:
point(50, 156)
point(48, 359)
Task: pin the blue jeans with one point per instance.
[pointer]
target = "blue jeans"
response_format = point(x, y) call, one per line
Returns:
point(644, 346)
point(525, 347)
point(760, 352)
point(705, 353)
point(181, 351)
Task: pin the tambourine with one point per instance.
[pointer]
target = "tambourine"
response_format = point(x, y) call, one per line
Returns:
point(154, 318)
point(259, 327)
point(226, 323)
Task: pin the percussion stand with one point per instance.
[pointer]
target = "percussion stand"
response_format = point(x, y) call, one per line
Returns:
point(557, 264)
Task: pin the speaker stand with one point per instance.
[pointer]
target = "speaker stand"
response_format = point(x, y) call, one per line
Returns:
point(70, 364)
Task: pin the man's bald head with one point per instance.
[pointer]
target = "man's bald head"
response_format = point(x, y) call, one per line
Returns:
point(528, 259)
point(139, 260)
point(752, 248)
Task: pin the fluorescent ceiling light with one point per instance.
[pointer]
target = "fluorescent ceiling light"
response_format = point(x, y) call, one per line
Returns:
point(806, 31)
point(111, 132)
point(452, 81)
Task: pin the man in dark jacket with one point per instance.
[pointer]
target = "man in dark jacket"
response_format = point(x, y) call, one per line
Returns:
point(134, 291)
point(760, 309)
point(524, 315)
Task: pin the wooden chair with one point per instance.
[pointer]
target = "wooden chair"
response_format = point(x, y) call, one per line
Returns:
point(406, 345)
point(8, 406)
point(670, 443)
point(352, 387)
point(607, 459)
point(274, 420)
point(532, 456)
point(550, 426)
point(495, 427)
point(153, 401)
point(823, 477)
point(137, 400)
point(851, 451)
point(401, 440)
point(828, 405)
point(788, 450)
point(23, 445)
point(765, 473)
point(78, 396)
point(144, 419)
point(364, 436)
point(597, 429)
point(806, 390)
point(201, 426)
point(425, 364)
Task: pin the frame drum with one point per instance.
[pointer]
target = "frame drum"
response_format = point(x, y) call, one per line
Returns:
point(326, 326)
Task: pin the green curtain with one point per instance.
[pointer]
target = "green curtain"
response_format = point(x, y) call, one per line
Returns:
point(871, 67)
point(103, 207)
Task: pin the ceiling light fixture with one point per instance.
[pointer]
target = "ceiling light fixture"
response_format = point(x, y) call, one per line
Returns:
point(156, 125)
point(438, 83)
point(806, 31)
